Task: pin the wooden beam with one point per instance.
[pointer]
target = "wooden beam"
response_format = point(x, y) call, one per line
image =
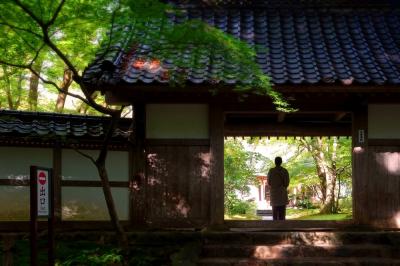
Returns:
point(177, 142)
point(359, 165)
point(92, 183)
point(216, 120)
point(384, 142)
point(14, 182)
point(281, 117)
point(339, 116)
point(139, 180)
point(57, 177)
point(286, 130)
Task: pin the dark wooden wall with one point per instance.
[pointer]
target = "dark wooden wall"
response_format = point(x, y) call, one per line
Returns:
point(178, 184)
point(382, 185)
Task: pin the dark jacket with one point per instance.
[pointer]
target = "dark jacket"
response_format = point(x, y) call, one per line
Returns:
point(278, 180)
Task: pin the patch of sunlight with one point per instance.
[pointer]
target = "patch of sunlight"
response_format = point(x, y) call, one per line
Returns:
point(293, 214)
point(397, 219)
point(241, 217)
point(392, 163)
point(267, 252)
point(327, 217)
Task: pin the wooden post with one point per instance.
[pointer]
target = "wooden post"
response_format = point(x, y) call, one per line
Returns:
point(50, 222)
point(360, 164)
point(57, 176)
point(33, 215)
point(216, 118)
point(138, 157)
point(8, 245)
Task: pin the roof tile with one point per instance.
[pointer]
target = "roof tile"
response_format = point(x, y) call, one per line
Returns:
point(300, 45)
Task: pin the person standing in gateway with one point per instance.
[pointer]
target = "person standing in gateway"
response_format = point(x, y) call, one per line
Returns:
point(278, 181)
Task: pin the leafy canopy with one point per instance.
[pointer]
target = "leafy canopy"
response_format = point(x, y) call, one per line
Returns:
point(68, 34)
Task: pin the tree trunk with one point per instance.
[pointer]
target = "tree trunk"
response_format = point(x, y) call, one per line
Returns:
point(13, 99)
point(19, 91)
point(8, 87)
point(33, 87)
point(101, 168)
point(329, 164)
point(326, 170)
point(67, 80)
point(83, 107)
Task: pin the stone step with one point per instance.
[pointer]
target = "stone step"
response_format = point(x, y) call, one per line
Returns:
point(292, 251)
point(302, 238)
point(298, 261)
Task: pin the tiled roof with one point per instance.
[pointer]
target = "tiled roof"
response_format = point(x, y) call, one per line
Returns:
point(305, 45)
point(50, 124)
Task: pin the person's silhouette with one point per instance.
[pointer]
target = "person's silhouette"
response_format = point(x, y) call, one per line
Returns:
point(278, 181)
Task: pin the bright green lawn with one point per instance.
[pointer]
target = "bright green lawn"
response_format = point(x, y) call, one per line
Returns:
point(312, 214)
point(327, 217)
point(296, 214)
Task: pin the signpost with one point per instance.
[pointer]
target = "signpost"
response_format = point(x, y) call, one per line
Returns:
point(42, 206)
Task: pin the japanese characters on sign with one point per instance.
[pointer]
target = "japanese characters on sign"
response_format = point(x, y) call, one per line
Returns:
point(43, 193)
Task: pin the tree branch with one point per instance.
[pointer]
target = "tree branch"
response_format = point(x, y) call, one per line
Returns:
point(2, 62)
point(55, 15)
point(113, 124)
point(29, 67)
point(84, 154)
point(109, 40)
point(29, 12)
point(63, 57)
point(13, 27)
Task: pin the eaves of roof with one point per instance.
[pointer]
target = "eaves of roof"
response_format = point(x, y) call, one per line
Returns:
point(303, 45)
point(57, 126)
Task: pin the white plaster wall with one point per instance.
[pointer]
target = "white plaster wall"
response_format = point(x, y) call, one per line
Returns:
point(177, 121)
point(77, 167)
point(14, 165)
point(15, 161)
point(384, 121)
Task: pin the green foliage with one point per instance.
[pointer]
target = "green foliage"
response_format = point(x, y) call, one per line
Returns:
point(242, 207)
point(240, 171)
point(93, 257)
point(187, 255)
point(346, 204)
point(87, 253)
point(69, 35)
point(298, 159)
point(305, 203)
point(75, 31)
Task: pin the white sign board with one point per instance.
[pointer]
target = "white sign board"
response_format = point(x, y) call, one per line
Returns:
point(43, 193)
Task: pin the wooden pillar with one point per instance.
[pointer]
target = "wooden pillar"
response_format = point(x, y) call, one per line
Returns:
point(138, 170)
point(57, 176)
point(360, 164)
point(216, 164)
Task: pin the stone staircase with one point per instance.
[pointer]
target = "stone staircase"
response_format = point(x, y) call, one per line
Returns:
point(300, 248)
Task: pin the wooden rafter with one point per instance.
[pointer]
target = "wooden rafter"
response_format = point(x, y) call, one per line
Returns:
point(281, 117)
point(339, 116)
point(287, 130)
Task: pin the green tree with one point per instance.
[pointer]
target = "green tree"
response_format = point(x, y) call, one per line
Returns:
point(12, 82)
point(332, 159)
point(240, 166)
point(58, 30)
point(321, 167)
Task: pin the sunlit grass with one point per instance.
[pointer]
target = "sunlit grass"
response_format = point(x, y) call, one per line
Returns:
point(296, 214)
point(313, 214)
point(327, 217)
point(248, 216)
